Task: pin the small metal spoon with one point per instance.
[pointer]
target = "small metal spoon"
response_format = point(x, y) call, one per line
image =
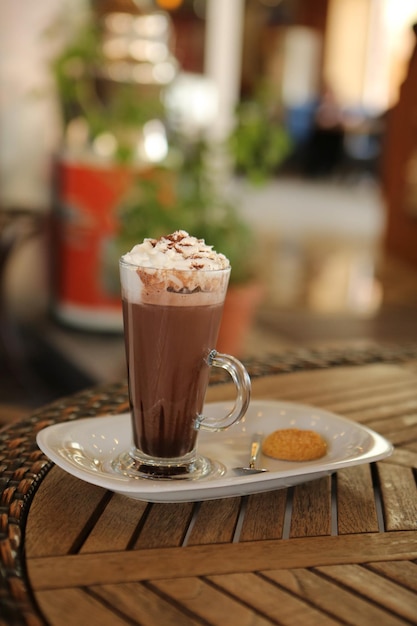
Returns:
point(255, 448)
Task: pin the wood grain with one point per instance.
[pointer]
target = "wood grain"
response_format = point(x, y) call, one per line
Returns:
point(335, 600)
point(356, 501)
point(374, 587)
point(215, 522)
point(268, 525)
point(311, 509)
point(204, 560)
point(399, 492)
point(165, 525)
point(75, 605)
point(114, 528)
point(142, 604)
point(271, 600)
point(70, 504)
point(210, 603)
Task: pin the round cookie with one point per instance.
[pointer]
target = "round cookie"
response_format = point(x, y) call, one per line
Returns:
point(293, 444)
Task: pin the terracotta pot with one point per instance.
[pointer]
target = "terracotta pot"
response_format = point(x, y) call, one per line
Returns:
point(238, 315)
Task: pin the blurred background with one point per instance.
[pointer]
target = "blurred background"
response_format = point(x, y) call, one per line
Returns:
point(284, 132)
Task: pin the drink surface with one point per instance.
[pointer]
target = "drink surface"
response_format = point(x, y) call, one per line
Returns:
point(167, 349)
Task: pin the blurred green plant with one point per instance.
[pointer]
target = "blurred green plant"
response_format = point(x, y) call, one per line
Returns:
point(184, 195)
point(192, 203)
point(85, 93)
point(259, 142)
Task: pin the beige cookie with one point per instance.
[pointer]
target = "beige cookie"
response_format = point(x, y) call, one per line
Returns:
point(293, 444)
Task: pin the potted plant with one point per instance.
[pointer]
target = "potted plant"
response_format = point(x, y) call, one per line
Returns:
point(128, 200)
point(259, 142)
point(103, 117)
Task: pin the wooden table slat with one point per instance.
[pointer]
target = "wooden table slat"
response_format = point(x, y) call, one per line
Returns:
point(165, 526)
point(216, 522)
point(375, 587)
point(113, 529)
point(402, 572)
point(334, 599)
point(403, 456)
point(67, 503)
point(382, 414)
point(402, 436)
point(356, 501)
point(338, 384)
point(143, 605)
point(209, 603)
point(75, 605)
point(268, 525)
point(271, 600)
point(399, 493)
point(204, 560)
point(311, 509)
point(379, 403)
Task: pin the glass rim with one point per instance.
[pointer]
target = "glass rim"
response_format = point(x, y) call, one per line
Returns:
point(128, 264)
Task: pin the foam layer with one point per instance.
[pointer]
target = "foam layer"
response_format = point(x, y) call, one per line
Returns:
point(178, 251)
point(177, 270)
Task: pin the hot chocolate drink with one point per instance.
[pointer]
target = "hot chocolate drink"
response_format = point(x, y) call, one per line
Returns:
point(165, 400)
point(173, 291)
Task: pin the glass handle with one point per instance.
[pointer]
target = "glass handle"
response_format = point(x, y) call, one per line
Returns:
point(241, 379)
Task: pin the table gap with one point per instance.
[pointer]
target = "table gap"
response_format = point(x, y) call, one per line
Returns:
point(240, 519)
point(333, 509)
point(89, 525)
point(288, 514)
point(175, 603)
point(110, 607)
point(135, 535)
point(196, 509)
point(378, 498)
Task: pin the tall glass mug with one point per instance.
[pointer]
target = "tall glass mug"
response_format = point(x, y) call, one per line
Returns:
point(171, 322)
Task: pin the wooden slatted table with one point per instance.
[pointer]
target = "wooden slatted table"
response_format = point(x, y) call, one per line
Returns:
point(338, 550)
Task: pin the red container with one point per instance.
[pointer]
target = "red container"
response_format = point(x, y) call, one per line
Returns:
point(86, 287)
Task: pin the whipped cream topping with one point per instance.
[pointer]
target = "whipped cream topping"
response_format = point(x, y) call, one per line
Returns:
point(179, 251)
point(176, 270)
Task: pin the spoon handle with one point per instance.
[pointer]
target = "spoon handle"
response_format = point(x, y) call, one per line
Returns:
point(255, 449)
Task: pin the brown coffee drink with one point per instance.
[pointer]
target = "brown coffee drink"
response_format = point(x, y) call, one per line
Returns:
point(173, 291)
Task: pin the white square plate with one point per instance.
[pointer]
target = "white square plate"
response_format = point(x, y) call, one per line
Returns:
point(86, 448)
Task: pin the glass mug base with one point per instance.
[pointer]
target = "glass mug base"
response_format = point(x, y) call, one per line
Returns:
point(193, 467)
